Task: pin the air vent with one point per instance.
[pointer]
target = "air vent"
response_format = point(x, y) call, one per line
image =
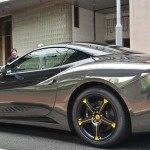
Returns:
point(19, 108)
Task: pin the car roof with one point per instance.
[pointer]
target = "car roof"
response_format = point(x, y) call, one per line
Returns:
point(93, 49)
point(84, 47)
point(53, 45)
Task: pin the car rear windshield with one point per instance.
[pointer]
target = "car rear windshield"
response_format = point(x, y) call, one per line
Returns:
point(107, 49)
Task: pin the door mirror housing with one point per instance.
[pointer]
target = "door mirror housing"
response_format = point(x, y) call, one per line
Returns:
point(3, 70)
point(7, 69)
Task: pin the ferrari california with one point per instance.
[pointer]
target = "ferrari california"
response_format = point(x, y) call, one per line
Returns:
point(101, 92)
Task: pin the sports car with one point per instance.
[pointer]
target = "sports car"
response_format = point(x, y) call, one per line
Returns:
point(101, 92)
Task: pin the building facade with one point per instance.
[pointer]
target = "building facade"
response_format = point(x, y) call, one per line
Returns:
point(140, 25)
point(24, 25)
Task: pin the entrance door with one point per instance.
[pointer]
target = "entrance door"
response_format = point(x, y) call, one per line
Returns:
point(5, 39)
point(1, 54)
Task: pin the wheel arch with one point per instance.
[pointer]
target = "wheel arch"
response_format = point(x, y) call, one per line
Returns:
point(85, 86)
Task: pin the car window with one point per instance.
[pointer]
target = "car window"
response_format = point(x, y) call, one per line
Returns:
point(74, 55)
point(39, 60)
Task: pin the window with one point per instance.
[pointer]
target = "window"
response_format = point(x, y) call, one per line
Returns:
point(73, 56)
point(76, 17)
point(39, 60)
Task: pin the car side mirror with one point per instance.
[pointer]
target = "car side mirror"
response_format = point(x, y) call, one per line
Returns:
point(2, 71)
point(5, 70)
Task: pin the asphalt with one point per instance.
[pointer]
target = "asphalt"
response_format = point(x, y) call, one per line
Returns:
point(16, 137)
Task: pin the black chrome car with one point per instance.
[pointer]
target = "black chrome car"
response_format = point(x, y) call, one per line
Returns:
point(101, 92)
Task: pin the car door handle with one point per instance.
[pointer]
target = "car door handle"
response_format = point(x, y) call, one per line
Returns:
point(52, 82)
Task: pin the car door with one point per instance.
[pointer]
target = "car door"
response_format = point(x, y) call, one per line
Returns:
point(20, 92)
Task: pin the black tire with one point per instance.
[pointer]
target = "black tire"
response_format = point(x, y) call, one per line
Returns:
point(99, 118)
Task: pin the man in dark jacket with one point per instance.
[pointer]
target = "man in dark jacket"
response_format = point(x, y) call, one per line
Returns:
point(13, 56)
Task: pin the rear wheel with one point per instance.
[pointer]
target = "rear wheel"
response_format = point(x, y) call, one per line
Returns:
point(99, 118)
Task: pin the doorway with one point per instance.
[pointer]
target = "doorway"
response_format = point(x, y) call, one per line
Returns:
point(5, 39)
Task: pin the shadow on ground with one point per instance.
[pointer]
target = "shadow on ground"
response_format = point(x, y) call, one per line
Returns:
point(139, 141)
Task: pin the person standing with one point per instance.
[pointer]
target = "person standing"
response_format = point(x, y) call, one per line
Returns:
point(13, 56)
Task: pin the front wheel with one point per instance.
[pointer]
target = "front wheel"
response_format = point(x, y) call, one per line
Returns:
point(99, 118)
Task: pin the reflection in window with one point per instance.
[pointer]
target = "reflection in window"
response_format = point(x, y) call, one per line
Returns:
point(73, 56)
point(30, 64)
point(39, 60)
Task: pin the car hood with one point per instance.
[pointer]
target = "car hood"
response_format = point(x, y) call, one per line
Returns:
point(126, 58)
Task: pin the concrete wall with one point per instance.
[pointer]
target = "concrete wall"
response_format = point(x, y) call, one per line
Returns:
point(46, 25)
point(140, 25)
point(105, 26)
point(85, 32)
point(100, 28)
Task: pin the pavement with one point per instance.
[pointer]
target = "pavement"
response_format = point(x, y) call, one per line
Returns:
point(18, 137)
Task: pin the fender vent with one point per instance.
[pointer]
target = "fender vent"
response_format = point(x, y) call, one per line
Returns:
point(11, 109)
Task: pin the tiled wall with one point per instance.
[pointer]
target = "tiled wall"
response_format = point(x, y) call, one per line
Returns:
point(45, 25)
